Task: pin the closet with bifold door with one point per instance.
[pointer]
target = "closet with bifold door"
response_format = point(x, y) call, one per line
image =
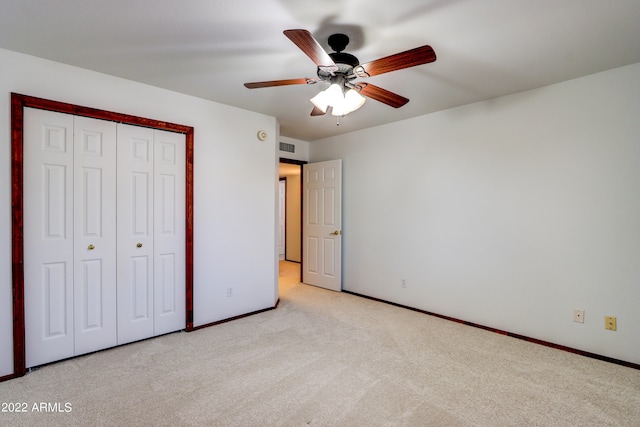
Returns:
point(104, 234)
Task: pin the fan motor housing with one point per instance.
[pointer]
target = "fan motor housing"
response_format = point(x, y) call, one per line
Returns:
point(343, 69)
point(344, 58)
point(344, 61)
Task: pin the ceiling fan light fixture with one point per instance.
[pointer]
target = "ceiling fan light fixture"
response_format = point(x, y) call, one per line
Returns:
point(321, 101)
point(353, 100)
point(341, 103)
point(334, 94)
point(329, 97)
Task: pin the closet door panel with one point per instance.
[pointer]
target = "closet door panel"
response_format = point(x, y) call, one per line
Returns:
point(135, 233)
point(95, 234)
point(169, 233)
point(48, 236)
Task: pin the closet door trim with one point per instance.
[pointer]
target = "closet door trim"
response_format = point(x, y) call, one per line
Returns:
point(18, 103)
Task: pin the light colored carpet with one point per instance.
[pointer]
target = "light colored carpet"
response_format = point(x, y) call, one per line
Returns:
point(330, 359)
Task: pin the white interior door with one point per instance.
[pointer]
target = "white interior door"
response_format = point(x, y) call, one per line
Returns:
point(94, 263)
point(169, 232)
point(48, 236)
point(322, 231)
point(135, 233)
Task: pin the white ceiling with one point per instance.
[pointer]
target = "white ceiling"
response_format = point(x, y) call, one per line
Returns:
point(209, 48)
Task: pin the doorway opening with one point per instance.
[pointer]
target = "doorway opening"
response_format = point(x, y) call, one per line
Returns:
point(290, 260)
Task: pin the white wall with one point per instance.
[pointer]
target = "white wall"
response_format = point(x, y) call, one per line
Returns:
point(233, 246)
point(508, 213)
point(301, 149)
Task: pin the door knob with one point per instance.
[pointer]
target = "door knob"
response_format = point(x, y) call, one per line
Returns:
point(91, 247)
point(336, 233)
point(139, 245)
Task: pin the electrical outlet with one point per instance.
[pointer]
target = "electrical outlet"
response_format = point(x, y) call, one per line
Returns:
point(578, 316)
point(229, 292)
point(610, 323)
point(404, 283)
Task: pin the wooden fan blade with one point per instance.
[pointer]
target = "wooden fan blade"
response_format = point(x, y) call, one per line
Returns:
point(382, 95)
point(256, 85)
point(410, 58)
point(310, 46)
point(317, 112)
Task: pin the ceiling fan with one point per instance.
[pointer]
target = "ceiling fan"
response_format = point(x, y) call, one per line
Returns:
point(341, 69)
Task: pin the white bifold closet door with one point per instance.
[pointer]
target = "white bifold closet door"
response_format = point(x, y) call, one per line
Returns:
point(69, 235)
point(151, 232)
point(104, 234)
